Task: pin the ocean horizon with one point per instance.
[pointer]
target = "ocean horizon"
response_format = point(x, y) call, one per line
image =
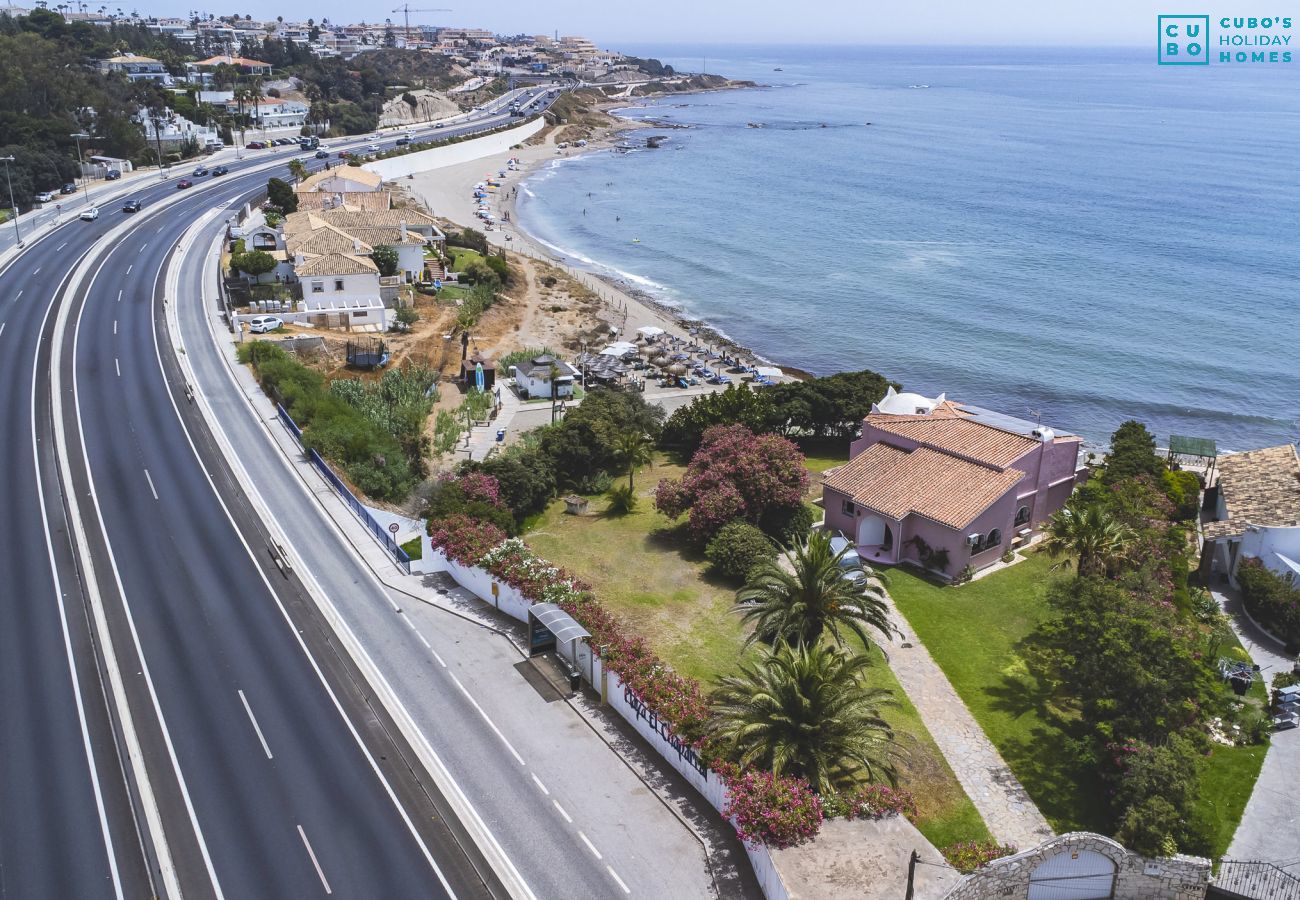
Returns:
point(1080, 235)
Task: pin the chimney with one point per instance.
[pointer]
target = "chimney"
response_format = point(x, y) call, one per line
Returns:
point(403, 227)
point(356, 246)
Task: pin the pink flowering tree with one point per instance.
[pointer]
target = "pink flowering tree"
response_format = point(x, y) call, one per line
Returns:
point(735, 474)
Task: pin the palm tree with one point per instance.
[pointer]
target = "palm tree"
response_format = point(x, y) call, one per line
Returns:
point(634, 448)
point(1091, 534)
point(808, 591)
point(297, 169)
point(807, 710)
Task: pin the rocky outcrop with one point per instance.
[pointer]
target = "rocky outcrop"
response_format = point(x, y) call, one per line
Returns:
point(429, 106)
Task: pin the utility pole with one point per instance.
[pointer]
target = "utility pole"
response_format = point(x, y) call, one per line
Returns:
point(18, 235)
point(85, 183)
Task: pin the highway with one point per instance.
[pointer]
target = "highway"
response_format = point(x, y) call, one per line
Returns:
point(269, 770)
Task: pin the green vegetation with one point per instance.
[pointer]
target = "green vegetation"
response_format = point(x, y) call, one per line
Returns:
point(414, 548)
point(256, 262)
point(737, 549)
point(281, 195)
point(356, 427)
point(1273, 600)
point(385, 259)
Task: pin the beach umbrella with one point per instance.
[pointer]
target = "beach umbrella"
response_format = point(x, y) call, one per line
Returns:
point(677, 369)
point(659, 360)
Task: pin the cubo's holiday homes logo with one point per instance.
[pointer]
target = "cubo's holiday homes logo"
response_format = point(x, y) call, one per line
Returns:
point(1186, 40)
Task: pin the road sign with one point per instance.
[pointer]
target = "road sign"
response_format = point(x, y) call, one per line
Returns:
point(394, 528)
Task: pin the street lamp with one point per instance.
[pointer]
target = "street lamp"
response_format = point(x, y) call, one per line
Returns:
point(18, 235)
point(85, 182)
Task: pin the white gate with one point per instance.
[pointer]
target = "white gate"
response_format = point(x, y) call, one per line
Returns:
point(1076, 875)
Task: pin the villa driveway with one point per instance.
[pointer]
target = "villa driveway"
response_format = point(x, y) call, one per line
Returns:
point(1006, 808)
point(1271, 822)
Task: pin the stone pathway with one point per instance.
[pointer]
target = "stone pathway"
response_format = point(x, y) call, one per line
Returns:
point(1006, 808)
point(482, 438)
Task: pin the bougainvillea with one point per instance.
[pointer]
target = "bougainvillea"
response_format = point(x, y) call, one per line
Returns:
point(481, 487)
point(734, 475)
point(968, 856)
point(463, 539)
point(779, 811)
point(775, 810)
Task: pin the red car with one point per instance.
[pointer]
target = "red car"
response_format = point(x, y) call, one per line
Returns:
point(184, 183)
point(254, 145)
point(344, 154)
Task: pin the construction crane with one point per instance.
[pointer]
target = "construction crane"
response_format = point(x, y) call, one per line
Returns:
point(407, 9)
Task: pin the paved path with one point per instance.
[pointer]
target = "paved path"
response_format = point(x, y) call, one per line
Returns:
point(1006, 808)
point(1271, 822)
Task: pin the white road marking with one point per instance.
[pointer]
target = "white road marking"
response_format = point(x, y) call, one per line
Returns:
point(590, 845)
point(437, 657)
point(17, 295)
point(567, 817)
point(115, 326)
point(537, 781)
point(491, 724)
point(60, 247)
point(129, 268)
point(37, 271)
point(142, 246)
point(117, 365)
point(119, 296)
point(151, 487)
point(2, 327)
point(248, 709)
point(312, 853)
point(614, 875)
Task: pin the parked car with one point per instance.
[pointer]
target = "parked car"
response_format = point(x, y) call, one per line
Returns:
point(254, 145)
point(220, 170)
point(183, 184)
point(263, 324)
point(373, 148)
point(69, 188)
point(44, 196)
point(322, 154)
point(131, 205)
point(112, 175)
point(89, 215)
point(200, 172)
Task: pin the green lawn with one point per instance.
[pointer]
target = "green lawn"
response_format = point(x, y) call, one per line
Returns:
point(662, 589)
point(977, 634)
point(414, 548)
point(462, 257)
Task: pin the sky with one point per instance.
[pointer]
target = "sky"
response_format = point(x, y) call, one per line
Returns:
point(1006, 22)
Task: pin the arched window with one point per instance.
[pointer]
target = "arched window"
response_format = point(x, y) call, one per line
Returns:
point(1022, 515)
point(994, 538)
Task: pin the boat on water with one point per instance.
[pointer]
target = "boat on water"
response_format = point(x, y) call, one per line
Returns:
point(753, 124)
point(778, 69)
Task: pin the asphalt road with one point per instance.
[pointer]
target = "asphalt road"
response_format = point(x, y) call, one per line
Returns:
point(208, 627)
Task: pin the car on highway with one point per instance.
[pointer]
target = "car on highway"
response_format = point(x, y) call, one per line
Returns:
point(438, 125)
point(200, 172)
point(89, 215)
point(263, 324)
point(220, 170)
point(131, 205)
point(344, 154)
point(322, 154)
point(112, 175)
point(254, 145)
point(69, 188)
point(44, 196)
point(183, 184)
point(403, 141)
point(373, 148)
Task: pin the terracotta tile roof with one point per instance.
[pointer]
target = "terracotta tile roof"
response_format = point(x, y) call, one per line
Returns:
point(300, 221)
point(1259, 487)
point(326, 239)
point(385, 234)
point(923, 482)
point(374, 201)
point(391, 218)
point(355, 174)
point(953, 434)
point(336, 264)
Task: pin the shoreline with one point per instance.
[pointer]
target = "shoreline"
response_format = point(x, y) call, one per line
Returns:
point(447, 192)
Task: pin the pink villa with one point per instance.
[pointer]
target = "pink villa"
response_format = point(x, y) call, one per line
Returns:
point(930, 474)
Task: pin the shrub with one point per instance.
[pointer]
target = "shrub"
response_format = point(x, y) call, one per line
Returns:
point(968, 856)
point(874, 801)
point(737, 548)
point(281, 195)
point(464, 540)
point(775, 810)
point(734, 475)
point(258, 262)
point(622, 499)
point(499, 267)
point(788, 525)
point(1272, 599)
point(1183, 489)
point(1132, 452)
point(385, 259)
point(471, 494)
point(525, 479)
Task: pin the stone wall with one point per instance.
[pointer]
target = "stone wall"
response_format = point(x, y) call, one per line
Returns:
point(1136, 878)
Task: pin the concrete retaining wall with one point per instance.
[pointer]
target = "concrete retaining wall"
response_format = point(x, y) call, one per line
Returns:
point(1136, 878)
point(454, 154)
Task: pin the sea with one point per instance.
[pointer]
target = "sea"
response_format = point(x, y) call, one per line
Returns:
point(1078, 236)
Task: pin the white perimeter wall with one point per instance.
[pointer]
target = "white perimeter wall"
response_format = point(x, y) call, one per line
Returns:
point(454, 154)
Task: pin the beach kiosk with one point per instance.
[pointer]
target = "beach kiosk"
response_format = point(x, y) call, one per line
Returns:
point(471, 373)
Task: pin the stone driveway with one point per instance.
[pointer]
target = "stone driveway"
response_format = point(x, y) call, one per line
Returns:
point(1001, 800)
point(1270, 826)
